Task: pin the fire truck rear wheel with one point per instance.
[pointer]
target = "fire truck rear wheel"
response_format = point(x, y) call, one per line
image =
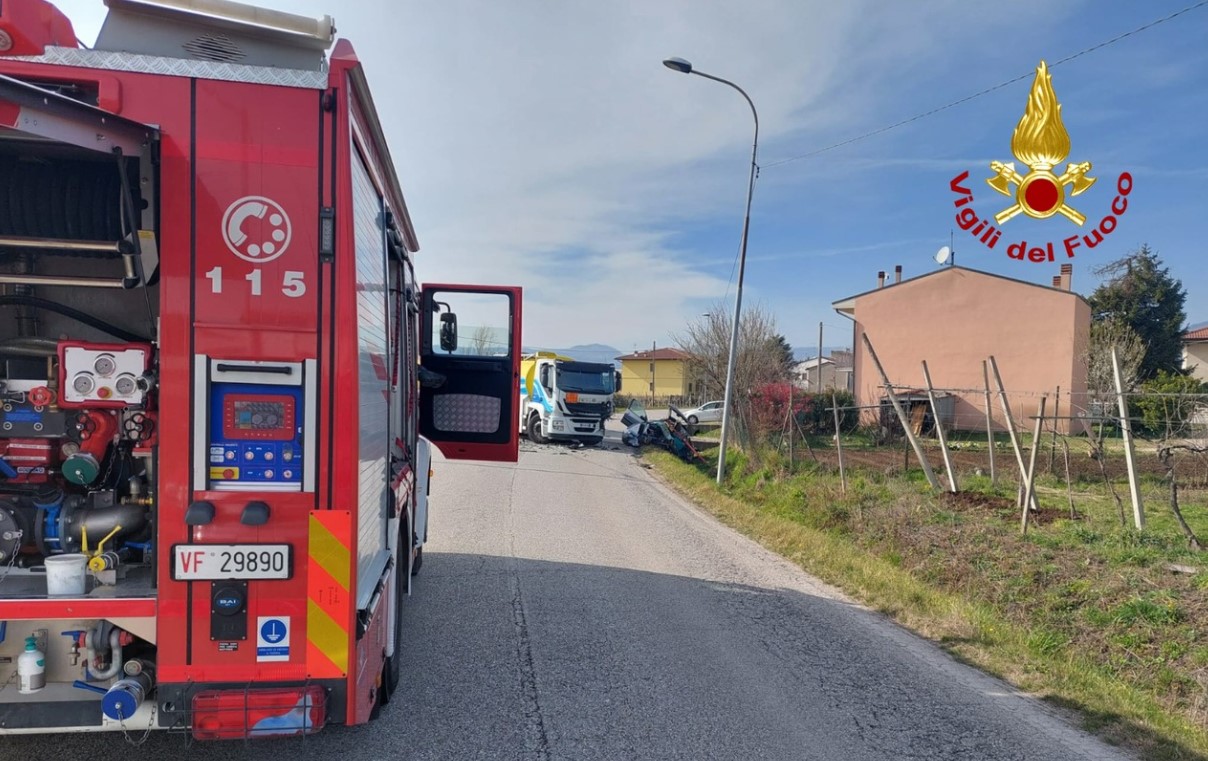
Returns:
point(534, 429)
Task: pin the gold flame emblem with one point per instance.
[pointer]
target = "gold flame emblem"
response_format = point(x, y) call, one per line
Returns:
point(1041, 142)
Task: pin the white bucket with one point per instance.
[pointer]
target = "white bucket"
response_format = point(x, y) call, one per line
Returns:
point(65, 575)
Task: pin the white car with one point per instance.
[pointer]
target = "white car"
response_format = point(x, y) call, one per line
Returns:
point(709, 412)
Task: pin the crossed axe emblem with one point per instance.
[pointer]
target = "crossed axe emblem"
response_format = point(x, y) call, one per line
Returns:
point(1075, 175)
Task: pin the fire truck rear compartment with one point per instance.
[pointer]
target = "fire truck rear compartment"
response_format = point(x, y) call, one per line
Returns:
point(77, 424)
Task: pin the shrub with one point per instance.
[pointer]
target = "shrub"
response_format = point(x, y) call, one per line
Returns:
point(770, 409)
point(1167, 403)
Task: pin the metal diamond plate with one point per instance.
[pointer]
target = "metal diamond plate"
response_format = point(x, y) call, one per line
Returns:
point(466, 413)
point(180, 67)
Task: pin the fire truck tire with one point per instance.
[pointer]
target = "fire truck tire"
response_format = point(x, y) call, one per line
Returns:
point(534, 429)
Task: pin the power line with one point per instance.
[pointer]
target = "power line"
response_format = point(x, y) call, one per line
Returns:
point(986, 91)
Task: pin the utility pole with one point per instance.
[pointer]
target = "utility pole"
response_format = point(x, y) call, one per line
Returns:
point(819, 358)
point(654, 345)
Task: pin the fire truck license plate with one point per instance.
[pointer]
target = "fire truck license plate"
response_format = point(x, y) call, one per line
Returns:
point(206, 562)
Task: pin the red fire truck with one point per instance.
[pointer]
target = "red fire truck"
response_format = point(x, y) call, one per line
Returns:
point(218, 375)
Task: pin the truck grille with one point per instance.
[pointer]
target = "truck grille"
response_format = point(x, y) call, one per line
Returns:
point(600, 409)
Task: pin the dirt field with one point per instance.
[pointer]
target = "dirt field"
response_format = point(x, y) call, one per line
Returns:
point(967, 459)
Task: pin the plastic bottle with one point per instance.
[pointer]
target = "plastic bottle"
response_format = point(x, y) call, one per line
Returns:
point(31, 668)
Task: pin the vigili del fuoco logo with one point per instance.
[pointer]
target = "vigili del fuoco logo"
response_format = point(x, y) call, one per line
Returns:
point(1040, 142)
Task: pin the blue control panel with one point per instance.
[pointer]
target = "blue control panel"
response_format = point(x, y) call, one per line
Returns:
point(255, 436)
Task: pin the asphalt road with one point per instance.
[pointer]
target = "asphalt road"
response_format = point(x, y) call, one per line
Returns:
point(571, 607)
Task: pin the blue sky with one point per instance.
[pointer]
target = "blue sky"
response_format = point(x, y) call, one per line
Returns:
point(544, 144)
point(1137, 106)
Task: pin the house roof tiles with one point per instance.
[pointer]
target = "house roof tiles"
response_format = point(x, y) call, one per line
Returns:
point(848, 303)
point(668, 353)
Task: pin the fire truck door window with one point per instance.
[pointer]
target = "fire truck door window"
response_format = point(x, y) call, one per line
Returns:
point(471, 324)
point(468, 396)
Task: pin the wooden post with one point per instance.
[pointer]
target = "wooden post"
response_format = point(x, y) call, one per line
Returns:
point(1030, 492)
point(1069, 485)
point(1134, 485)
point(989, 425)
point(897, 406)
point(939, 429)
point(1006, 411)
point(839, 441)
point(792, 426)
point(1056, 422)
point(654, 347)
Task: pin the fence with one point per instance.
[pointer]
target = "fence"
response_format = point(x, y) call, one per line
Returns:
point(1058, 450)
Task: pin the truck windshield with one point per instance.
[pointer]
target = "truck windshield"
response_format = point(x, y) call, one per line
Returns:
point(586, 378)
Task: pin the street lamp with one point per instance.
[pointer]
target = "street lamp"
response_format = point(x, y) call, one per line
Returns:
point(684, 67)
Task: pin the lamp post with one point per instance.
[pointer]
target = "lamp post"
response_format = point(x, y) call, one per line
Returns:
point(684, 67)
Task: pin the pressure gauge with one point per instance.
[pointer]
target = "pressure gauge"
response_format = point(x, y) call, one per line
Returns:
point(125, 385)
point(105, 365)
point(83, 384)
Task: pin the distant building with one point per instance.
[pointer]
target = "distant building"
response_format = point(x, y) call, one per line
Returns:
point(1195, 353)
point(954, 318)
point(805, 373)
point(659, 373)
point(835, 371)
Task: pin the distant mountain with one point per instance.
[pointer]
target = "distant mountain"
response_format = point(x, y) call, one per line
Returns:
point(585, 352)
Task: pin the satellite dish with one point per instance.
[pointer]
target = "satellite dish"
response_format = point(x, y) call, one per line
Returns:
point(943, 255)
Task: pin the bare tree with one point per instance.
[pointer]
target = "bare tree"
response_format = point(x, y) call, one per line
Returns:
point(1108, 334)
point(1166, 455)
point(1182, 409)
point(706, 341)
point(1130, 350)
point(482, 340)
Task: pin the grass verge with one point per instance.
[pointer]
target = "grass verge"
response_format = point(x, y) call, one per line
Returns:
point(1078, 612)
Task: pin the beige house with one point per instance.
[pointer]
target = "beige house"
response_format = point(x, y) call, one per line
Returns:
point(658, 373)
point(1195, 353)
point(954, 318)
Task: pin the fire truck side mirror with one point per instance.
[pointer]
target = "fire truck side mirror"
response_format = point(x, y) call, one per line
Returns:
point(448, 332)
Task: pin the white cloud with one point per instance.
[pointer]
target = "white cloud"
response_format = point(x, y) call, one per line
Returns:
point(543, 144)
point(550, 148)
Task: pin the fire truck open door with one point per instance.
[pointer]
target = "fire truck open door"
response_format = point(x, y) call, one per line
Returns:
point(470, 370)
point(41, 113)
